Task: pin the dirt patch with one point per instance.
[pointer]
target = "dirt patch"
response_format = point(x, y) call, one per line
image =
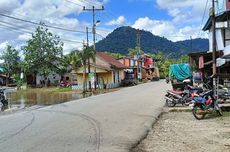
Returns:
point(180, 131)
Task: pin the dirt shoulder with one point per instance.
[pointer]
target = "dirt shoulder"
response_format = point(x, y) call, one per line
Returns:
point(180, 131)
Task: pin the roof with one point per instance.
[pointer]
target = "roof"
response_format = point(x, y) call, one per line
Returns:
point(109, 59)
point(223, 16)
point(198, 54)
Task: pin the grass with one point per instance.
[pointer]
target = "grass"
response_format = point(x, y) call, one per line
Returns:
point(226, 114)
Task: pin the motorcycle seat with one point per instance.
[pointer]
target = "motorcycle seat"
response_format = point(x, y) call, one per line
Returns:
point(176, 92)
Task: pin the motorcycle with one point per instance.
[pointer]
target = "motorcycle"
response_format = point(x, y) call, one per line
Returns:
point(203, 104)
point(174, 97)
point(3, 98)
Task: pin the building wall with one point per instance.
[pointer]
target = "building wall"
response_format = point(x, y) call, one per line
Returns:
point(127, 62)
point(53, 77)
point(107, 77)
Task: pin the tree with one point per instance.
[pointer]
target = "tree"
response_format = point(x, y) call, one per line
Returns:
point(43, 53)
point(73, 59)
point(134, 51)
point(183, 59)
point(163, 63)
point(84, 55)
point(11, 62)
point(115, 55)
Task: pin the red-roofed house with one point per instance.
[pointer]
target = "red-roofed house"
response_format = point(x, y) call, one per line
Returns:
point(109, 71)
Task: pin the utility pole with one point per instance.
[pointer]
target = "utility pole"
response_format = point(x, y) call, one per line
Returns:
point(93, 9)
point(191, 43)
point(214, 47)
point(87, 45)
point(139, 59)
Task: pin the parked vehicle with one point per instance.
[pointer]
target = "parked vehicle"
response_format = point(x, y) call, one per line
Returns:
point(3, 98)
point(204, 104)
point(223, 93)
point(65, 84)
point(178, 73)
point(129, 80)
point(174, 97)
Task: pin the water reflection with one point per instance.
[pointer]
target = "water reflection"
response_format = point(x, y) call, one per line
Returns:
point(24, 99)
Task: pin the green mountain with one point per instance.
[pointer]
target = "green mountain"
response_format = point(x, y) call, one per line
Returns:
point(123, 38)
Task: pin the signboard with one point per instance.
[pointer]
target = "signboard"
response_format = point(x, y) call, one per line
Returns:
point(92, 78)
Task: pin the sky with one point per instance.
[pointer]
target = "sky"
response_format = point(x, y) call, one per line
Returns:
point(173, 19)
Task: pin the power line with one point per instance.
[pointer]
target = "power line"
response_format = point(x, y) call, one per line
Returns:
point(203, 18)
point(35, 23)
point(92, 3)
point(23, 31)
point(74, 3)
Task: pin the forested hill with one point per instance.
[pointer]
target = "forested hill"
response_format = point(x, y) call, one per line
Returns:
point(123, 38)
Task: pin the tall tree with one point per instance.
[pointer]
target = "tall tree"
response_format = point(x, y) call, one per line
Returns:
point(11, 62)
point(84, 55)
point(43, 52)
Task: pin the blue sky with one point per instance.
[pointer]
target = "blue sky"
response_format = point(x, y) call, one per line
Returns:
point(173, 19)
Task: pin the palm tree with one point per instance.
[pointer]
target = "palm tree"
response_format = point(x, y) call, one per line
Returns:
point(85, 55)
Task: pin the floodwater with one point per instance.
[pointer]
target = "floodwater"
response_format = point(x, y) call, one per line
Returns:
point(20, 100)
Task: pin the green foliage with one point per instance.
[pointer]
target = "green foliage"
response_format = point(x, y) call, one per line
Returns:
point(134, 51)
point(43, 52)
point(11, 61)
point(183, 59)
point(164, 62)
point(85, 55)
point(123, 38)
point(73, 59)
point(115, 55)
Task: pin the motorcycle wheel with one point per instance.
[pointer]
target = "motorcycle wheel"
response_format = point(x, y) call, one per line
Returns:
point(4, 102)
point(198, 113)
point(170, 103)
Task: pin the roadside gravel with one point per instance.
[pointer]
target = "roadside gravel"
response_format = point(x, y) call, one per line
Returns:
point(180, 131)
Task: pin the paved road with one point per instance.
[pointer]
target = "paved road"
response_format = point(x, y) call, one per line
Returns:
point(110, 122)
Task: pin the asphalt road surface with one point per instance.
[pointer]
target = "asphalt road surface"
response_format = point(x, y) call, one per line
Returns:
point(111, 122)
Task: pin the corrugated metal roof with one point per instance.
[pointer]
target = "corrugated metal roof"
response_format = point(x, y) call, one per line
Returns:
point(109, 59)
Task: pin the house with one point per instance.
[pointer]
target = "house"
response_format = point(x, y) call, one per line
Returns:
point(145, 64)
point(130, 72)
point(202, 61)
point(150, 72)
point(222, 30)
point(109, 72)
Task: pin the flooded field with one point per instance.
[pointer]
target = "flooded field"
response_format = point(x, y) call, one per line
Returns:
point(41, 97)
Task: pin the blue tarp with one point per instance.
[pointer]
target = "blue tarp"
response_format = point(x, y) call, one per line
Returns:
point(180, 71)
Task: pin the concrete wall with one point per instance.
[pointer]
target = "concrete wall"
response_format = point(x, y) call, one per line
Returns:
point(53, 77)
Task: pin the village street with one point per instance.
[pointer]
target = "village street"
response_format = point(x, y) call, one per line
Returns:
point(108, 122)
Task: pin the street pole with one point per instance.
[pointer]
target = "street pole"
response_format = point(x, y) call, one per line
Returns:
point(214, 47)
point(139, 60)
point(191, 42)
point(87, 45)
point(94, 38)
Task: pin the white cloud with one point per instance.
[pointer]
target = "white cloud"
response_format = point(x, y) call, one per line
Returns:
point(186, 19)
point(3, 46)
point(24, 37)
point(119, 21)
point(183, 10)
point(52, 12)
point(9, 5)
point(166, 29)
point(155, 26)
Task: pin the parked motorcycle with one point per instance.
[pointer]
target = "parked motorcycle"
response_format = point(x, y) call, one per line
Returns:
point(3, 98)
point(174, 97)
point(203, 104)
